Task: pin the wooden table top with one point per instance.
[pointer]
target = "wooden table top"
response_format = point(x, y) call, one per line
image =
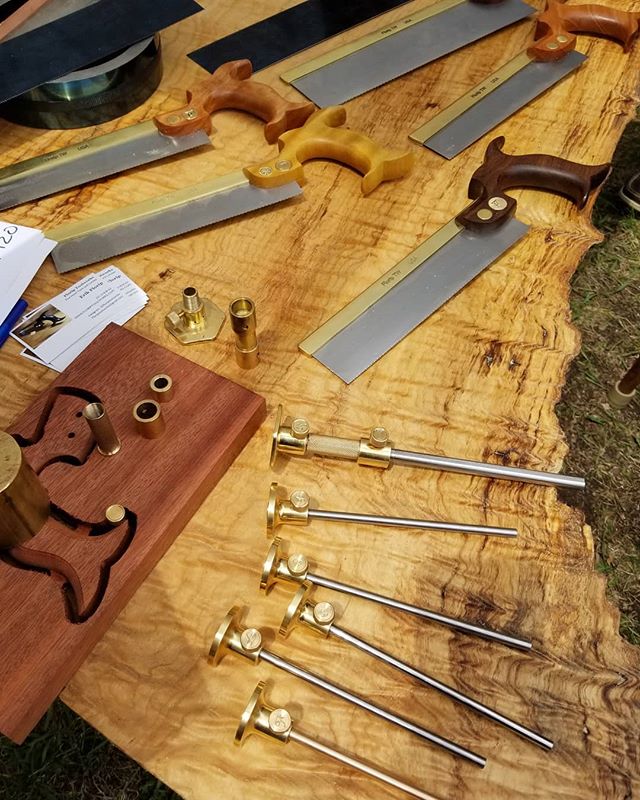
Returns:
point(479, 380)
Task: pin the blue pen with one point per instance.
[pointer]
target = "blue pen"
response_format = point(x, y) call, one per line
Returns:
point(14, 315)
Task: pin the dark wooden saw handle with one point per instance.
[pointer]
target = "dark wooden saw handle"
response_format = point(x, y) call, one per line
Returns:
point(230, 87)
point(557, 25)
point(500, 171)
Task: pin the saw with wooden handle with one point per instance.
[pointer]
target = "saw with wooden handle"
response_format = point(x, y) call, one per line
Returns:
point(368, 327)
point(551, 57)
point(172, 132)
point(401, 46)
point(231, 195)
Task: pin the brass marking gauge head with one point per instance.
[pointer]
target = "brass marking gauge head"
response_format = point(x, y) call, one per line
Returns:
point(233, 636)
point(302, 611)
point(263, 719)
point(24, 502)
point(281, 508)
point(293, 569)
point(293, 437)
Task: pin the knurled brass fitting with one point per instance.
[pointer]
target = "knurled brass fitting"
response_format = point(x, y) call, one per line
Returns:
point(293, 437)
point(242, 313)
point(194, 319)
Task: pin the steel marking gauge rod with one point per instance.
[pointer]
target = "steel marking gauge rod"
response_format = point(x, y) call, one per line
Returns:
point(293, 437)
point(169, 133)
point(402, 46)
point(320, 617)
point(407, 294)
point(277, 724)
point(551, 57)
point(294, 569)
point(162, 217)
point(295, 509)
point(247, 642)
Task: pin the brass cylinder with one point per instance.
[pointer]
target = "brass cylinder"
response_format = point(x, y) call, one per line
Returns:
point(161, 387)
point(102, 429)
point(24, 502)
point(242, 313)
point(192, 306)
point(148, 418)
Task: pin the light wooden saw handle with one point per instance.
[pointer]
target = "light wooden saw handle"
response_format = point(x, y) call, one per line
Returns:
point(322, 137)
point(558, 24)
point(230, 87)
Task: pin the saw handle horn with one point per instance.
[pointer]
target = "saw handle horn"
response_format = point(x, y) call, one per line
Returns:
point(230, 87)
point(557, 25)
point(322, 137)
point(501, 171)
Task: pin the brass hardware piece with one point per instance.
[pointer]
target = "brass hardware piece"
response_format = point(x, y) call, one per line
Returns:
point(232, 636)
point(295, 569)
point(280, 508)
point(195, 319)
point(115, 514)
point(293, 437)
point(258, 717)
point(295, 510)
point(24, 502)
point(319, 617)
point(102, 429)
point(371, 452)
point(242, 313)
point(276, 724)
point(148, 418)
point(161, 387)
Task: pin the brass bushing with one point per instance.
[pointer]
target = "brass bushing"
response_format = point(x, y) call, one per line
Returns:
point(148, 418)
point(24, 502)
point(242, 312)
point(102, 429)
point(161, 387)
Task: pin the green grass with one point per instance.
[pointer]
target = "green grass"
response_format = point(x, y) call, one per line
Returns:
point(66, 758)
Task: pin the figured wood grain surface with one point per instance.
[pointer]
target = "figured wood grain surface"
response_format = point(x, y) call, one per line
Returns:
point(480, 379)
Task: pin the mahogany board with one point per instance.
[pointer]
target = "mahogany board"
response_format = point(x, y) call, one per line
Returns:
point(47, 627)
point(479, 379)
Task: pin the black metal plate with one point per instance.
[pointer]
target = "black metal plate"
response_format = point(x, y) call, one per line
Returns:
point(81, 38)
point(290, 31)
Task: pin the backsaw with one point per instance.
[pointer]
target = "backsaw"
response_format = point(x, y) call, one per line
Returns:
point(402, 46)
point(129, 227)
point(365, 329)
point(551, 57)
point(165, 135)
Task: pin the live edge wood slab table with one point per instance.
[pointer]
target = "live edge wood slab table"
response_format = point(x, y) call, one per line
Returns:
point(479, 380)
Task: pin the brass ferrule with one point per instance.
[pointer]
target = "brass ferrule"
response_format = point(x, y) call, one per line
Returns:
point(373, 455)
point(242, 313)
point(192, 308)
point(161, 388)
point(263, 719)
point(102, 429)
point(24, 502)
point(280, 508)
point(148, 419)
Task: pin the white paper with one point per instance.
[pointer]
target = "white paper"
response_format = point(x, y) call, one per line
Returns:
point(22, 252)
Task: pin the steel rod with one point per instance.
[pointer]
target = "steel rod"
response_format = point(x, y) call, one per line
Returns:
point(480, 708)
point(486, 470)
point(356, 700)
point(433, 616)
point(402, 522)
point(355, 763)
